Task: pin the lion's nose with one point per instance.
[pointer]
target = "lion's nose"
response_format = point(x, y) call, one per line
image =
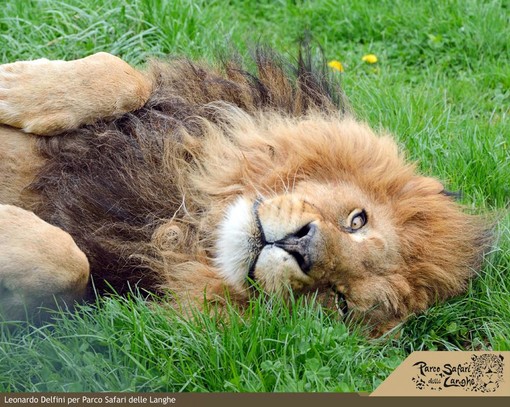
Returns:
point(298, 245)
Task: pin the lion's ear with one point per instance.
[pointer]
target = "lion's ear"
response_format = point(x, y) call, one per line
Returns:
point(423, 186)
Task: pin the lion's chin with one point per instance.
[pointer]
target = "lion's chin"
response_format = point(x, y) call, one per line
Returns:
point(237, 244)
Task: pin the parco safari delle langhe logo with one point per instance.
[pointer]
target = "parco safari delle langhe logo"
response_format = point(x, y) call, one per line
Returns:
point(483, 373)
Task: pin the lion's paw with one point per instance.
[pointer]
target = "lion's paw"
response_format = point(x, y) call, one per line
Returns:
point(31, 94)
point(47, 97)
point(38, 263)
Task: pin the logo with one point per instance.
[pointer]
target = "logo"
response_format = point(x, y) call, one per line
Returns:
point(482, 373)
point(442, 373)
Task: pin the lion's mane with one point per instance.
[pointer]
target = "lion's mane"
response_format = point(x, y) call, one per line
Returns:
point(122, 189)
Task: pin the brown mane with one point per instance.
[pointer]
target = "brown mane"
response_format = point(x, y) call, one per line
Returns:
point(120, 187)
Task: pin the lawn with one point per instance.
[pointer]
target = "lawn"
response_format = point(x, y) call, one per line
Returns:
point(441, 85)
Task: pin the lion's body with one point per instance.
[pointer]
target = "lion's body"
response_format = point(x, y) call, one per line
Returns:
point(222, 176)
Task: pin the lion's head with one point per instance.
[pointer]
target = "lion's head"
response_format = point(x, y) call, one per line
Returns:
point(321, 204)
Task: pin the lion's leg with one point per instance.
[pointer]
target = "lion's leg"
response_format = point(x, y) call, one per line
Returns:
point(40, 265)
point(48, 97)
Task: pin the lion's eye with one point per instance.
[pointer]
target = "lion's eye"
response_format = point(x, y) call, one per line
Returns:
point(357, 219)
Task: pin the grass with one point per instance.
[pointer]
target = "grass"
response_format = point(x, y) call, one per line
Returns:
point(441, 85)
point(129, 345)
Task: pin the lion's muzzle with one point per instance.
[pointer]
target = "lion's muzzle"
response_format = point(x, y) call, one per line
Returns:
point(298, 245)
point(296, 242)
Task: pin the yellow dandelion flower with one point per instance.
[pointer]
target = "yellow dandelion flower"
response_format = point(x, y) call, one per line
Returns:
point(369, 59)
point(337, 65)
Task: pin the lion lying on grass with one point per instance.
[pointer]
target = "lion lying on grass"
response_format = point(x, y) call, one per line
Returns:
point(205, 181)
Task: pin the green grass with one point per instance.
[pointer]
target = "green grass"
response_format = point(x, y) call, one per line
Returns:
point(129, 345)
point(442, 86)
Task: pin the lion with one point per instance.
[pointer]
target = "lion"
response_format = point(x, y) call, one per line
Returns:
point(214, 182)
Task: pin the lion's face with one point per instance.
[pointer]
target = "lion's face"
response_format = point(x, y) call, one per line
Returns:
point(381, 240)
point(325, 238)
